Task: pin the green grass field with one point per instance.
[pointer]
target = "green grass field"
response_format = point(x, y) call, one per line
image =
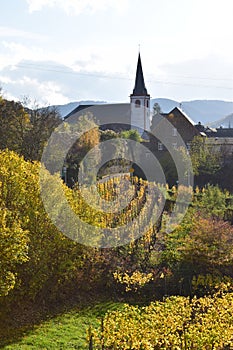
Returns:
point(67, 331)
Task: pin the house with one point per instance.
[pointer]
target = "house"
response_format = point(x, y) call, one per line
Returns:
point(220, 140)
point(174, 129)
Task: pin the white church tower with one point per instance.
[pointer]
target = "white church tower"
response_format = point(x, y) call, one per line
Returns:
point(140, 102)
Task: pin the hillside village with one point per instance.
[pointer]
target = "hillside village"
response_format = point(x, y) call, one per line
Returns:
point(116, 186)
point(149, 121)
point(161, 132)
point(140, 116)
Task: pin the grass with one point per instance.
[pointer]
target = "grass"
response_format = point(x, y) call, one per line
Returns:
point(66, 331)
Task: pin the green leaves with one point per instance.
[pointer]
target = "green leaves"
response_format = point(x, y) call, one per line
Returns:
point(205, 158)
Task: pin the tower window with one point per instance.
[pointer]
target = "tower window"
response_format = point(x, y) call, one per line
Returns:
point(137, 103)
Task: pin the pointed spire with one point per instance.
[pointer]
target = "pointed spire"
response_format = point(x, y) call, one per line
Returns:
point(139, 88)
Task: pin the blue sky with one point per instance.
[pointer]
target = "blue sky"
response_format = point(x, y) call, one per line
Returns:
point(57, 51)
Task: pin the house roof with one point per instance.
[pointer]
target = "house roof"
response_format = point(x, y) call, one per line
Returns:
point(223, 132)
point(139, 88)
point(184, 114)
point(215, 132)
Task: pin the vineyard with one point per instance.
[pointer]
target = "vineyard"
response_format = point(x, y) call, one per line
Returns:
point(177, 323)
point(43, 269)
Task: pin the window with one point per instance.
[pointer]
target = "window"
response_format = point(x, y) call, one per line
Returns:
point(174, 132)
point(146, 103)
point(137, 103)
point(160, 146)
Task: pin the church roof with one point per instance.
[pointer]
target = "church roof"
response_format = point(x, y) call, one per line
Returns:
point(139, 88)
point(77, 109)
point(105, 115)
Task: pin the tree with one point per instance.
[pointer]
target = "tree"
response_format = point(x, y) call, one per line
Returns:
point(82, 145)
point(43, 121)
point(25, 130)
point(14, 236)
point(36, 259)
point(205, 158)
point(14, 249)
point(211, 202)
point(199, 246)
point(156, 111)
point(108, 134)
point(131, 135)
point(14, 125)
point(208, 248)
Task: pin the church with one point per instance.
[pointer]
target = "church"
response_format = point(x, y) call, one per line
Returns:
point(137, 115)
point(162, 133)
point(122, 116)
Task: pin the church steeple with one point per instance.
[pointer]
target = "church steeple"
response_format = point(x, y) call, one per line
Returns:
point(139, 88)
point(140, 102)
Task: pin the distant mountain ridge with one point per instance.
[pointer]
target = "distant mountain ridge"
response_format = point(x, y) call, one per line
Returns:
point(204, 111)
point(226, 122)
point(208, 112)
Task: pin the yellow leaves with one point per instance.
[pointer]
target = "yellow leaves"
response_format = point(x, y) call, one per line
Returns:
point(177, 323)
point(211, 284)
point(19, 200)
point(7, 282)
point(133, 281)
point(13, 247)
point(115, 191)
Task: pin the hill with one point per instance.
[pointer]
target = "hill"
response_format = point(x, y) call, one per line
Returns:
point(205, 111)
point(225, 122)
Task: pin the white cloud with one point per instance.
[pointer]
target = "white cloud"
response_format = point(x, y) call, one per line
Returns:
point(47, 92)
point(13, 32)
point(20, 50)
point(75, 7)
point(37, 5)
point(13, 52)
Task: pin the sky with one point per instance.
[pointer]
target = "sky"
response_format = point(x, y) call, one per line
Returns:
point(58, 51)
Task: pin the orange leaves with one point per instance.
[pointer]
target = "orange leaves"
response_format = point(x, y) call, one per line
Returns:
point(209, 243)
